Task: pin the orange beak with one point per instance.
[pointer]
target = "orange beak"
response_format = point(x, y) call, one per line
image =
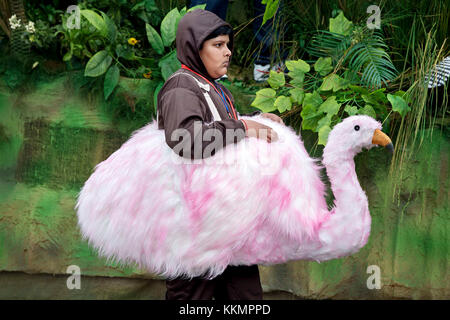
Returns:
point(382, 139)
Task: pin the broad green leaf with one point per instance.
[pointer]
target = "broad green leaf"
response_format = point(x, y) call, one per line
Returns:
point(276, 79)
point(297, 71)
point(325, 121)
point(299, 65)
point(323, 66)
point(330, 106)
point(110, 27)
point(98, 64)
point(155, 95)
point(271, 9)
point(368, 110)
point(154, 39)
point(111, 80)
point(333, 82)
point(310, 117)
point(169, 64)
point(399, 104)
point(312, 99)
point(323, 134)
point(341, 25)
point(310, 113)
point(265, 100)
point(283, 103)
point(96, 20)
point(297, 78)
point(351, 110)
point(183, 11)
point(297, 95)
point(168, 27)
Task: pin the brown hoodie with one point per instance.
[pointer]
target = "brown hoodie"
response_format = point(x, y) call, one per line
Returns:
point(181, 102)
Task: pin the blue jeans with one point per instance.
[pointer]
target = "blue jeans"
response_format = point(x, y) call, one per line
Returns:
point(264, 35)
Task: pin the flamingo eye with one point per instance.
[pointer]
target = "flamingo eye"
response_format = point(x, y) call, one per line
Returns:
point(356, 128)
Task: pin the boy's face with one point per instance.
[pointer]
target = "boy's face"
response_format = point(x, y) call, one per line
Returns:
point(216, 56)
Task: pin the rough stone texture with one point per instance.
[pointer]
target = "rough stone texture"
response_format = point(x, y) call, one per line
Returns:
point(51, 139)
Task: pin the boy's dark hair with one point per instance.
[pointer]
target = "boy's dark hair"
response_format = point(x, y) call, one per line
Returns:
point(221, 31)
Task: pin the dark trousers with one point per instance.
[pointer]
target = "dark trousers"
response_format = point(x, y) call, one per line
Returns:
point(235, 283)
point(219, 7)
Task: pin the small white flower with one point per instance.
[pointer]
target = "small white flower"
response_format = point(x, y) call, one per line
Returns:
point(30, 27)
point(14, 22)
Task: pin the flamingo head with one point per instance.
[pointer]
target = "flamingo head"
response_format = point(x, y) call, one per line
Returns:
point(355, 133)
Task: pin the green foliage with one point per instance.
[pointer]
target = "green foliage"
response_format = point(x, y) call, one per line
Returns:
point(271, 9)
point(355, 49)
point(265, 100)
point(399, 104)
point(323, 66)
point(283, 103)
point(154, 39)
point(98, 64)
point(97, 21)
point(341, 25)
point(108, 51)
point(169, 27)
point(111, 80)
point(276, 79)
point(327, 104)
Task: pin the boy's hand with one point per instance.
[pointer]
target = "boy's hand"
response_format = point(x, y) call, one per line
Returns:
point(272, 117)
point(260, 131)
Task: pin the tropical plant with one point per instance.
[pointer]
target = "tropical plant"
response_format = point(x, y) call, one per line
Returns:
point(324, 106)
point(361, 50)
point(424, 115)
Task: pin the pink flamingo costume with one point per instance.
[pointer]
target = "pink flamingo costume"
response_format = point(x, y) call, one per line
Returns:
point(189, 218)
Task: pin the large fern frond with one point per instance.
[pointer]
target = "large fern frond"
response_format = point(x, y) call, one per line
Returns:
point(329, 44)
point(370, 57)
point(363, 52)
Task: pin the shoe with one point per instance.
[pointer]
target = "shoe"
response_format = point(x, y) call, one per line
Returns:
point(261, 72)
point(224, 77)
point(280, 67)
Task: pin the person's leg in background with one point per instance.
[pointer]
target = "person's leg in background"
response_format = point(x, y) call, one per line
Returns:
point(265, 36)
point(219, 7)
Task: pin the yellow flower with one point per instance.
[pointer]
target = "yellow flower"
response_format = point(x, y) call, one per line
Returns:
point(147, 75)
point(132, 41)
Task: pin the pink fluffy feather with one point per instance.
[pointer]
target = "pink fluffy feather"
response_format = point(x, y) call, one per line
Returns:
point(251, 203)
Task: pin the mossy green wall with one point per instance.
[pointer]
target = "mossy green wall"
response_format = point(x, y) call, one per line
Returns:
point(52, 137)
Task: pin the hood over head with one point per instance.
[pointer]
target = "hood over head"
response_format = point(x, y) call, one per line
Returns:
point(192, 31)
